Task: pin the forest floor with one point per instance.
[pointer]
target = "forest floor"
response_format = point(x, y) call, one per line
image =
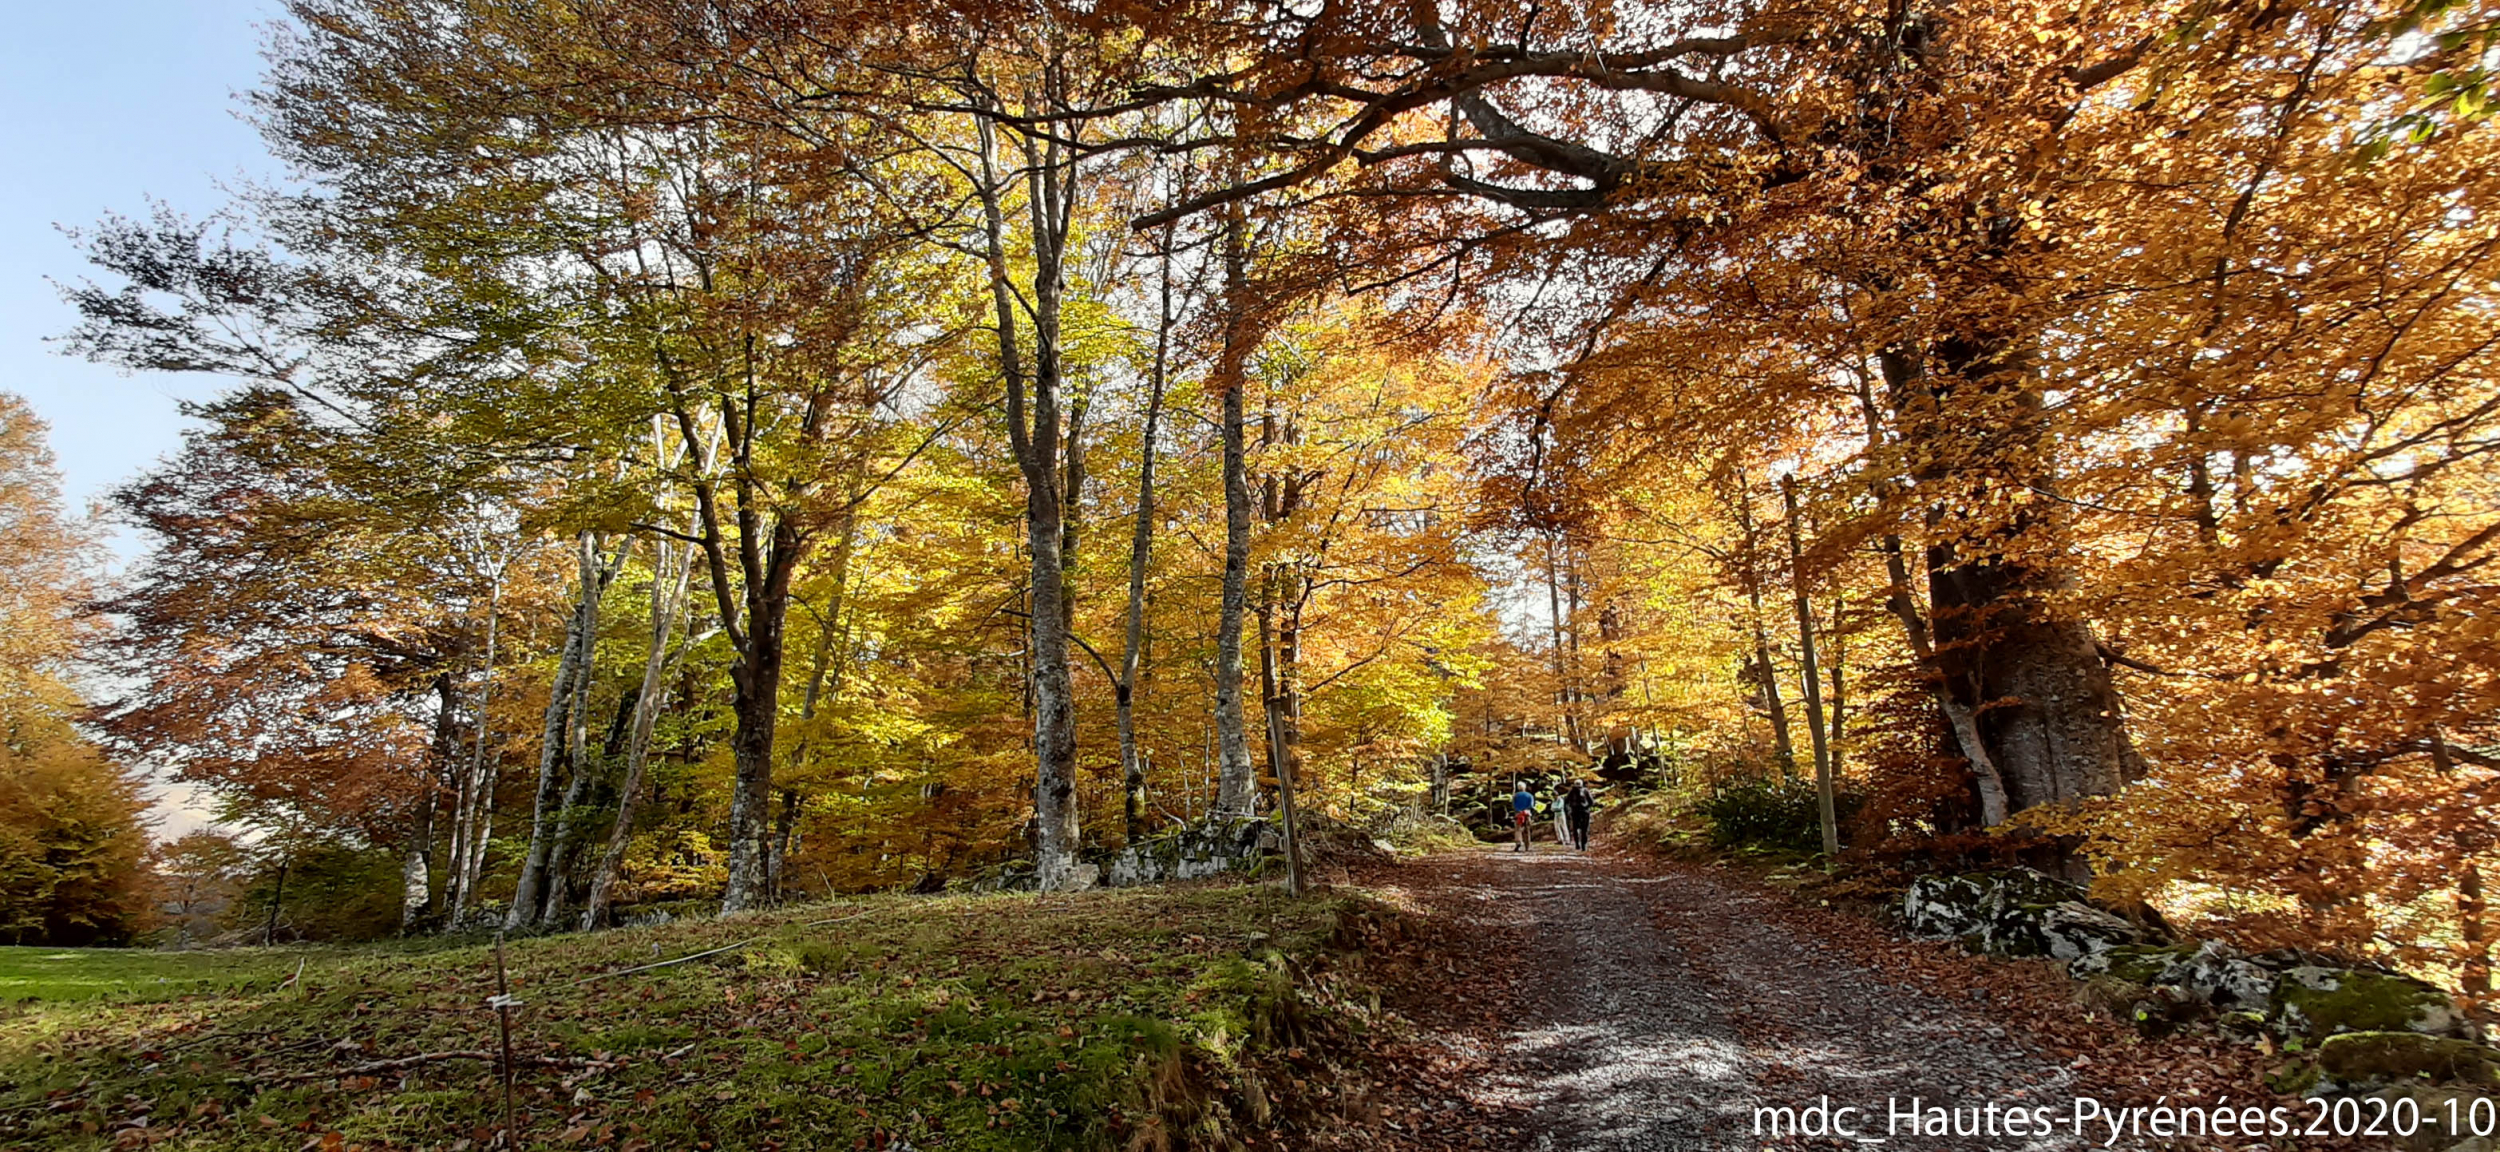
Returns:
point(1568, 1002)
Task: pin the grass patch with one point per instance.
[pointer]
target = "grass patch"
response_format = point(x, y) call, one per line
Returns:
point(57, 974)
point(1147, 1019)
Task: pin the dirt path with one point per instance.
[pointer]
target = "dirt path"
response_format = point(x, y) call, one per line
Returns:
point(1592, 1003)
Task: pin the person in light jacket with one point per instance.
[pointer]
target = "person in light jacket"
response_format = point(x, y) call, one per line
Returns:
point(1562, 814)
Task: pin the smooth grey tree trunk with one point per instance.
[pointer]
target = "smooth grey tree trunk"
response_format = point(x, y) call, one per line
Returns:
point(1565, 730)
point(1284, 716)
point(1140, 554)
point(585, 766)
point(1034, 431)
point(1839, 663)
point(1237, 784)
point(416, 874)
point(475, 818)
point(572, 666)
point(672, 573)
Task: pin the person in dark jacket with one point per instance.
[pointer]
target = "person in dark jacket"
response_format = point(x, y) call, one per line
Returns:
point(1580, 804)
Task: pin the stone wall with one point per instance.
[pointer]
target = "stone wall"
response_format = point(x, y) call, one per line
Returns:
point(2350, 1030)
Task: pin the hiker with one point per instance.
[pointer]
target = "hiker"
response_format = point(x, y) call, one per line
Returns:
point(1562, 813)
point(1580, 804)
point(1522, 809)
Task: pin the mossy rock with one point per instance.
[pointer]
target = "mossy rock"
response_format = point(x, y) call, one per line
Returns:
point(2152, 1010)
point(1189, 852)
point(1939, 907)
point(1942, 907)
point(2030, 889)
point(2315, 1002)
point(2072, 929)
point(2243, 1027)
point(2359, 1058)
point(2219, 975)
point(2133, 963)
point(2014, 912)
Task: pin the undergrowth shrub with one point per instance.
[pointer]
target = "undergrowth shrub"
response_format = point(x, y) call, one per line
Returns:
point(1768, 814)
point(1414, 832)
point(1656, 819)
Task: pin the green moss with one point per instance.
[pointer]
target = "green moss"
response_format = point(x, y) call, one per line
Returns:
point(2029, 890)
point(2386, 1057)
point(2293, 1077)
point(2360, 1002)
point(2135, 963)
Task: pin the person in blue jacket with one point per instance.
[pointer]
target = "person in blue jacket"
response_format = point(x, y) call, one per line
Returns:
point(1522, 813)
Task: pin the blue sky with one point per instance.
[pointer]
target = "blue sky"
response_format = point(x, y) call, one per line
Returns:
point(103, 105)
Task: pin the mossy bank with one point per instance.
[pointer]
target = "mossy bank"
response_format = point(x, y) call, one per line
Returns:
point(1200, 1017)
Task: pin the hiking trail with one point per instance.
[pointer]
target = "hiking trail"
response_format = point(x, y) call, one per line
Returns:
point(1590, 1003)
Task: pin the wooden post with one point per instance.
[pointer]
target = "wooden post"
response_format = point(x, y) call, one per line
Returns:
point(1284, 796)
point(503, 1004)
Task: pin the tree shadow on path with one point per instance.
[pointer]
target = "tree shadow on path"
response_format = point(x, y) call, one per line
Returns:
point(1576, 1002)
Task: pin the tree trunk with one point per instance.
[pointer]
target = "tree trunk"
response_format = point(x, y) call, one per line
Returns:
point(1054, 704)
point(1270, 749)
point(1764, 676)
point(770, 546)
point(572, 666)
point(1284, 720)
point(1236, 793)
point(2474, 974)
point(1566, 730)
point(1140, 554)
point(756, 703)
point(587, 767)
point(416, 892)
point(1812, 677)
point(1036, 439)
point(2039, 693)
point(785, 833)
point(1903, 604)
point(475, 815)
point(277, 900)
point(1989, 782)
point(668, 606)
point(1840, 685)
point(1577, 682)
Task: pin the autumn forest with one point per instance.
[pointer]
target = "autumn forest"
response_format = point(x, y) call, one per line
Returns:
point(679, 457)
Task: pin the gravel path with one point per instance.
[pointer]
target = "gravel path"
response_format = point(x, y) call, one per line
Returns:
point(1647, 1011)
